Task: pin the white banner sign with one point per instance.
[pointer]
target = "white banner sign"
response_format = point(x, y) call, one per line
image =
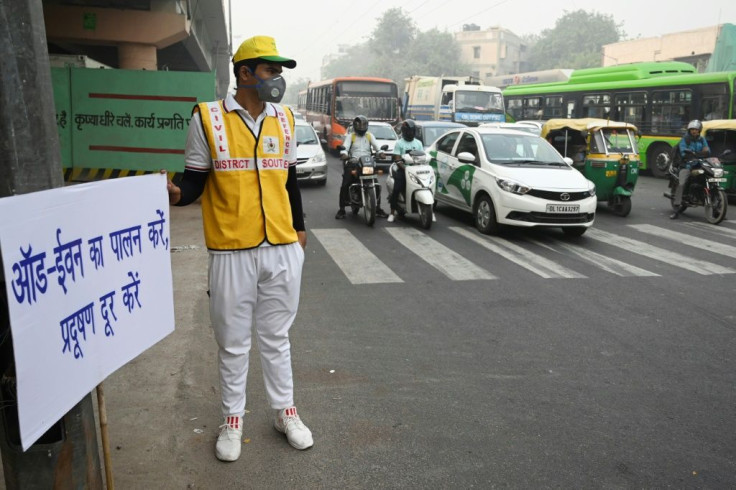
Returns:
point(88, 279)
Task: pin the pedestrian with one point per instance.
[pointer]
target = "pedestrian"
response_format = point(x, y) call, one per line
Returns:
point(241, 156)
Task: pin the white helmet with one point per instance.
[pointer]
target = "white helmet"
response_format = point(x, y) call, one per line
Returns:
point(695, 124)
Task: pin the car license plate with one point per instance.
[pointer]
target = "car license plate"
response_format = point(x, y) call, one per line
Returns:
point(563, 208)
point(717, 179)
point(300, 171)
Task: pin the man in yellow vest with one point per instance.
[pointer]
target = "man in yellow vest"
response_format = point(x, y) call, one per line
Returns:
point(241, 156)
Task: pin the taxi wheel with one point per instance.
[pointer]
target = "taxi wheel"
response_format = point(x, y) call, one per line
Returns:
point(485, 216)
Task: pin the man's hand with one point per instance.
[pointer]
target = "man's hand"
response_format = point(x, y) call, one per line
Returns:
point(173, 190)
point(301, 236)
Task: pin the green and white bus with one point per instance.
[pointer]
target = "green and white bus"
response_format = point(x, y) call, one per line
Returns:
point(658, 97)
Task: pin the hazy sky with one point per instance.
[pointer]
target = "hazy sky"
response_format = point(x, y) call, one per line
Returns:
point(307, 30)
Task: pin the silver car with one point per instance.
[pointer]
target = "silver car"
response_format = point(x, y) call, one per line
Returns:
point(311, 164)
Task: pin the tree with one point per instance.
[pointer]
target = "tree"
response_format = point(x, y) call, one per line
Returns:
point(397, 50)
point(576, 41)
point(393, 34)
point(356, 60)
point(435, 53)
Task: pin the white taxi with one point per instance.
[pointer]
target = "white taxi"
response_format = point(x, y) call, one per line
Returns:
point(509, 177)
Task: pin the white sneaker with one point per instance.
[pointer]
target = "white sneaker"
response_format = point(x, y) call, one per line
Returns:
point(391, 218)
point(230, 439)
point(434, 218)
point(288, 422)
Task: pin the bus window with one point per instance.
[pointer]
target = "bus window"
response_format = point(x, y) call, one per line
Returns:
point(670, 110)
point(714, 101)
point(714, 108)
point(552, 107)
point(630, 107)
point(513, 107)
point(531, 107)
point(597, 105)
point(570, 109)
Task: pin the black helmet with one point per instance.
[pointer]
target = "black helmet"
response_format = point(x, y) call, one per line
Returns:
point(360, 125)
point(408, 129)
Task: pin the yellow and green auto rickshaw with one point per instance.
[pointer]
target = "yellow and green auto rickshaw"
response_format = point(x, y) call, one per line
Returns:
point(721, 137)
point(604, 151)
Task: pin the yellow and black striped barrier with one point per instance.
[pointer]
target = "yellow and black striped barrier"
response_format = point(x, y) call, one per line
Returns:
point(76, 174)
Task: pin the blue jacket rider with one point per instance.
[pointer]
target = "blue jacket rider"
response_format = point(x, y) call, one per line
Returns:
point(691, 142)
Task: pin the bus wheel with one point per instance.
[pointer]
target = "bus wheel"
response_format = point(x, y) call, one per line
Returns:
point(659, 158)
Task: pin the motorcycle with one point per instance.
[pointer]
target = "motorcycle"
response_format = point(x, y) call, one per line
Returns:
point(418, 197)
point(362, 191)
point(703, 188)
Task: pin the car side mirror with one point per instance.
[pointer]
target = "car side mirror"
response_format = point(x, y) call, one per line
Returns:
point(324, 141)
point(466, 157)
point(568, 161)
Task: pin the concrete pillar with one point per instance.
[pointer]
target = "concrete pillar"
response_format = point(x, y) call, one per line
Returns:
point(133, 56)
point(30, 160)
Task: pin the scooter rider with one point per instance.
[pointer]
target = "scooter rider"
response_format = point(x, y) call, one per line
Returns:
point(406, 144)
point(359, 144)
point(692, 145)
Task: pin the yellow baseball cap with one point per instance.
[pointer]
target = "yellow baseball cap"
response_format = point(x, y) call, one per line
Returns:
point(261, 47)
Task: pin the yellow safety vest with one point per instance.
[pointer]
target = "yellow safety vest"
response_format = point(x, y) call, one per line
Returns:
point(245, 201)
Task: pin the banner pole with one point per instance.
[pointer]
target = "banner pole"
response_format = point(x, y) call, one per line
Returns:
point(105, 440)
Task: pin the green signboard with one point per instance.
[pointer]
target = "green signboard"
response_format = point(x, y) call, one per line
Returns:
point(62, 99)
point(127, 119)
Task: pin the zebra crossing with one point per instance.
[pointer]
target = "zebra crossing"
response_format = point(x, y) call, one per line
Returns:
point(537, 255)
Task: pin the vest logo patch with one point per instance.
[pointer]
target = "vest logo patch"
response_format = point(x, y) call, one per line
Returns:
point(270, 144)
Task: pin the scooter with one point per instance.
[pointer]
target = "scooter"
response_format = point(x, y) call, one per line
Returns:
point(418, 196)
point(703, 188)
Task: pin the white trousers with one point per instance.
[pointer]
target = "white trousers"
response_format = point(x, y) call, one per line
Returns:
point(255, 289)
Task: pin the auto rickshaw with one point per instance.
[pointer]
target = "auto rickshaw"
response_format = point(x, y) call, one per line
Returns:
point(604, 151)
point(721, 137)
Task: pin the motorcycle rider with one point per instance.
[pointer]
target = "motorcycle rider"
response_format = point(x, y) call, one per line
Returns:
point(406, 144)
point(691, 146)
point(359, 144)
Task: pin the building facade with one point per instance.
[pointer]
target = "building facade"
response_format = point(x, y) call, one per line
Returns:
point(492, 52)
point(694, 47)
point(143, 34)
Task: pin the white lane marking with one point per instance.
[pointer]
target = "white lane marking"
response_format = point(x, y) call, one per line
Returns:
point(601, 261)
point(671, 258)
point(528, 260)
point(448, 262)
point(358, 263)
point(717, 229)
point(693, 241)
